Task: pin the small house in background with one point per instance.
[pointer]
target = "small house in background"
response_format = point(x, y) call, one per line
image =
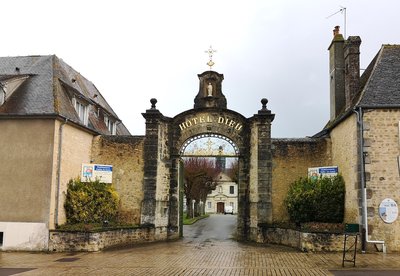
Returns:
point(225, 194)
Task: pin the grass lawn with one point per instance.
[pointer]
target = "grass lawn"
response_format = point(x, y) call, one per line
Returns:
point(189, 221)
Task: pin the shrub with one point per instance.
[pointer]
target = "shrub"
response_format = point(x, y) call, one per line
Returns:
point(330, 199)
point(320, 200)
point(90, 202)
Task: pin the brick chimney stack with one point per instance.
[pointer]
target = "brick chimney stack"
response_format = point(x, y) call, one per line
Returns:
point(336, 70)
point(336, 31)
point(352, 68)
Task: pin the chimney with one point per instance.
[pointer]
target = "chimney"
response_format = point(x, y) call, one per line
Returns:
point(336, 31)
point(352, 68)
point(336, 70)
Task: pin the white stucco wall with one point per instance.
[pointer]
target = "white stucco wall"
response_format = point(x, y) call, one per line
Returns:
point(24, 236)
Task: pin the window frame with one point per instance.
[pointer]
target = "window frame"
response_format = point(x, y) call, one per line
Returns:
point(110, 124)
point(82, 110)
point(3, 94)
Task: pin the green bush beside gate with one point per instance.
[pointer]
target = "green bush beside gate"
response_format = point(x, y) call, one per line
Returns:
point(316, 200)
point(90, 202)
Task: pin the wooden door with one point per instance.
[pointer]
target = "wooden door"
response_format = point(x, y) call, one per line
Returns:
point(220, 207)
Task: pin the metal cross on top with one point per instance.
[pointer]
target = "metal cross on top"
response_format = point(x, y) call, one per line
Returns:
point(210, 53)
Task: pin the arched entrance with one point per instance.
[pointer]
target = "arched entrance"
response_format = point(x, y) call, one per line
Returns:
point(211, 175)
point(165, 139)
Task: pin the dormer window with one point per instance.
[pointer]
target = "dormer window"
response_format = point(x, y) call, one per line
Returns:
point(2, 94)
point(82, 110)
point(9, 85)
point(111, 125)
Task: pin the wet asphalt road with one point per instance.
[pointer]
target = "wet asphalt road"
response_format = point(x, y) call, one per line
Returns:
point(216, 227)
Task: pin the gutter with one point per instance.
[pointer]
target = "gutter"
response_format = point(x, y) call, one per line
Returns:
point(364, 219)
point(346, 114)
point(60, 140)
point(5, 116)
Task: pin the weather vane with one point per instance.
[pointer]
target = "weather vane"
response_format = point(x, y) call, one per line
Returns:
point(210, 53)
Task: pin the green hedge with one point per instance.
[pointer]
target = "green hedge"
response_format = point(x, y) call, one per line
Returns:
point(320, 200)
point(91, 202)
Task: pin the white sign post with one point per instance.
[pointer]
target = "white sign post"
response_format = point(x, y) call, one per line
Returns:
point(92, 172)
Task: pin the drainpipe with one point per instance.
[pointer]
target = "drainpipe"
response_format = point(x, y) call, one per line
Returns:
point(364, 220)
point(60, 140)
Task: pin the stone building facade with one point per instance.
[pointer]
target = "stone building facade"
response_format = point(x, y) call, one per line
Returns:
point(364, 134)
point(224, 194)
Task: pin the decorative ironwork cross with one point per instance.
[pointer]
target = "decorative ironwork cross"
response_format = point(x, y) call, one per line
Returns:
point(210, 53)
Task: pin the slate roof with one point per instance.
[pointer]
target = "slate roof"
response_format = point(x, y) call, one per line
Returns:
point(382, 88)
point(379, 86)
point(48, 90)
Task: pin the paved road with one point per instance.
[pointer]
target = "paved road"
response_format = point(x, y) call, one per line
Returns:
point(214, 228)
point(200, 253)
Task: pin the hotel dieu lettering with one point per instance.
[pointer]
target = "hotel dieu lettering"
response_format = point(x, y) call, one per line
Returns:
point(210, 119)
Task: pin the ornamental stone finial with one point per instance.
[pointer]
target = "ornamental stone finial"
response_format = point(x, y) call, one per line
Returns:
point(153, 102)
point(264, 102)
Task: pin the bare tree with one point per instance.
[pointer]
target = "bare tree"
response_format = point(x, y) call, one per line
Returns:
point(199, 176)
point(233, 171)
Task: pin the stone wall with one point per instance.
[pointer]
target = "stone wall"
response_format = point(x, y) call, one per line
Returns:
point(382, 148)
point(86, 241)
point(125, 153)
point(253, 183)
point(163, 177)
point(291, 160)
point(61, 241)
point(314, 242)
point(345, 155)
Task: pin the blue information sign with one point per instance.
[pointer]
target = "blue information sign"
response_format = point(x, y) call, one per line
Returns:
point(103, 168)
point(328, 170)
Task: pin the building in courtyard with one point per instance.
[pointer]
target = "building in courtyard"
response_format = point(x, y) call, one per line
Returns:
point(224, 194)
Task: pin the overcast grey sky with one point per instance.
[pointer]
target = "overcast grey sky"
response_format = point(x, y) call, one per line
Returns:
point(136, 50)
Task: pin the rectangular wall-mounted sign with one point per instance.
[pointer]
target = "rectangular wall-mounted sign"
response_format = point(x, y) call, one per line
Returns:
point(323, 171)
point(92, 172)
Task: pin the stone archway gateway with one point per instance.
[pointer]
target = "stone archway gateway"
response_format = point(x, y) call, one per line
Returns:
point(166, 137)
